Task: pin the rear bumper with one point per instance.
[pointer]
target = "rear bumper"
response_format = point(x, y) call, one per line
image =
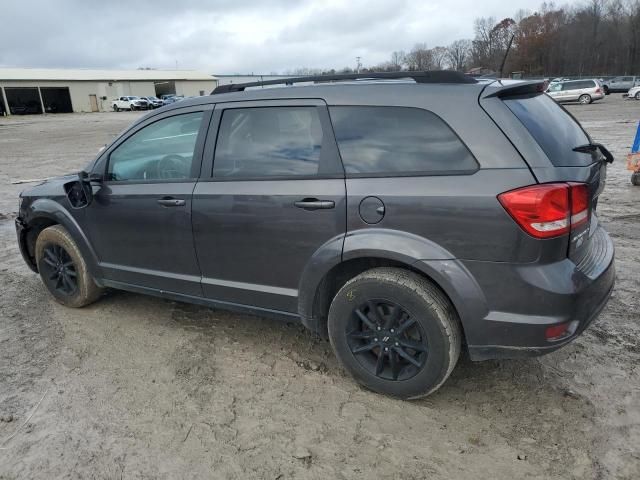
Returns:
point(523, 301)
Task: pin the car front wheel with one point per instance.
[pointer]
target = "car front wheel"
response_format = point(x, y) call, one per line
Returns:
point(637, 97)
point(63, 269)
point(395, 332)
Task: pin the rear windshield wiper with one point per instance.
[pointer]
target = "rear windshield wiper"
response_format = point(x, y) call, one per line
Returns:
point(592, 147)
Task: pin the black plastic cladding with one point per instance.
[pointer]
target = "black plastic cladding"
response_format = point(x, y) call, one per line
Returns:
point(436, 76)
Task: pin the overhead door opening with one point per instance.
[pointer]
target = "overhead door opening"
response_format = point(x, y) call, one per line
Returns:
point(23, 100)
point(56, 99)
point(165, 88)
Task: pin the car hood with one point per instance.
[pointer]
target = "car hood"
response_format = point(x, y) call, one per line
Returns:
point(50, 187)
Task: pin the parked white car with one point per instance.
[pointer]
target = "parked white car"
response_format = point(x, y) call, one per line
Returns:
point(129, 103)
point(583, 91)
point(634, 92)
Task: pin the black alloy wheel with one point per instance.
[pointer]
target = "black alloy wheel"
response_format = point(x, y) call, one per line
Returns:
point(59, 270)
point(386, 340)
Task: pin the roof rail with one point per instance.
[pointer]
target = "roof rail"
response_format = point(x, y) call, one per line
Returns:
point(435, 76)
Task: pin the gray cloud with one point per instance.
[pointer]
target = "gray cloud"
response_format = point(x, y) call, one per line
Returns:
point(230, 36)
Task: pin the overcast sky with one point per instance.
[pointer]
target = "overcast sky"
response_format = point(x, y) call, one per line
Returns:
point(231, 36)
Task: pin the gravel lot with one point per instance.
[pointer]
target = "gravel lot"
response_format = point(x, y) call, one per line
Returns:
point(139, 387)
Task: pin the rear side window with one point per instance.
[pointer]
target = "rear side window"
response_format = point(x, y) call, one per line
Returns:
point(578, 85)
point(397, 141)
point(553, 128)
point(268, 142)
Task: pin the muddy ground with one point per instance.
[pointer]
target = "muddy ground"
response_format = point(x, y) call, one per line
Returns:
point(139, 387)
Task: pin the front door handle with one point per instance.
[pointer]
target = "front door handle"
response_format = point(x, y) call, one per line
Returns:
point(172, 202)
point(315, 204)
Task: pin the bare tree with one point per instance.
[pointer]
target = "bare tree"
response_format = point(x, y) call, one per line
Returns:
point(398, 60)
point(458, 53)
point(419, 58)
point(440, 58)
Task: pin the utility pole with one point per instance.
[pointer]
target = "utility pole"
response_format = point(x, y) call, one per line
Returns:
point(358, 64)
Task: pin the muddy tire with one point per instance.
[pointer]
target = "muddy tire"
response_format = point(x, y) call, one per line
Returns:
point(395, 332)
point(63, 269)
point(635, 179)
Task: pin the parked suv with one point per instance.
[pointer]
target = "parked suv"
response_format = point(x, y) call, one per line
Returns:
point(405, 220)
point(583, 91)
point(620, 84)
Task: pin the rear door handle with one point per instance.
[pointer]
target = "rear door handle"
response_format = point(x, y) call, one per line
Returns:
point(315, 204)
point(172, 202)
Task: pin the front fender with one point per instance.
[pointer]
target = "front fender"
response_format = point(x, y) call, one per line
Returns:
point(44, 208)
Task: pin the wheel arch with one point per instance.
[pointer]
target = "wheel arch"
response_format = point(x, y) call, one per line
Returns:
point(45, 213)
point(410, 253)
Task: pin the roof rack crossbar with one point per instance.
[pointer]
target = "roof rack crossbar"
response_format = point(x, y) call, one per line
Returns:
point(435, 76)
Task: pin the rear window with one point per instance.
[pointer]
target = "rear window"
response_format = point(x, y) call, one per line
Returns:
point(553, 128)
point(397, 141)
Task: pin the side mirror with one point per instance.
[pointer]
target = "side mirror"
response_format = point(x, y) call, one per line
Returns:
point(79, 192)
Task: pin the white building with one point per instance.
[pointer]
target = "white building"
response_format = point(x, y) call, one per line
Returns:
point(36, 90)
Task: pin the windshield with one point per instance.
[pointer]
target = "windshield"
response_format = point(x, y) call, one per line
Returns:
point(555, 130)
point(132, 98)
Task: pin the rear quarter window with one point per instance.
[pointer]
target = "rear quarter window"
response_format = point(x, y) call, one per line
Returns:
point(395, 141)
point(553, 128)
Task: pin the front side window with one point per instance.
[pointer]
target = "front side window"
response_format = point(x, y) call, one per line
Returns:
point(397, 141)
point(268, 142)
point(160, 151)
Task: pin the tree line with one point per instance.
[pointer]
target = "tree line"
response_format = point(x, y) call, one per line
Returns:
point(601, 37)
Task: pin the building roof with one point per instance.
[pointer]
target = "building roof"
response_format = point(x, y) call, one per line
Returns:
point(99, 75)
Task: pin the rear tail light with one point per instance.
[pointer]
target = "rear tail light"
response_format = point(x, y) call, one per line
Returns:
point(598, 90)
point(548, 210)
point(579, 204)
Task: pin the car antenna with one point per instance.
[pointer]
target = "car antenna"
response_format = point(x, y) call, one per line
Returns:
point(506, 53)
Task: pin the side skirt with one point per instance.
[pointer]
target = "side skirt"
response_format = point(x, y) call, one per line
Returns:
point(179, 297)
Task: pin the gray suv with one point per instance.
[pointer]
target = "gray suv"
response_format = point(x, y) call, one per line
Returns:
point(406, 217)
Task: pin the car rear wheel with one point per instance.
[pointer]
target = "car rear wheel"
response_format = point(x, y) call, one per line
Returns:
point(63, 270)
point(395, 332)
point(585, 99)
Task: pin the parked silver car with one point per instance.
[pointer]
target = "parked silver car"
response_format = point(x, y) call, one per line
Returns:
point(620, 84)
point(583, 91)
